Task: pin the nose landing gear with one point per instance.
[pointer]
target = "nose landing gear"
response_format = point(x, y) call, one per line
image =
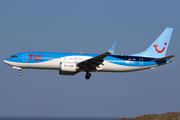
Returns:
point(20, 73)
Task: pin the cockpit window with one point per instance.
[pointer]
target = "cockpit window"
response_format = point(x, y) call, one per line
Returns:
point(14, 56)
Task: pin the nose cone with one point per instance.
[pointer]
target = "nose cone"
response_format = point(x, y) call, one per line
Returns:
point(6, 61)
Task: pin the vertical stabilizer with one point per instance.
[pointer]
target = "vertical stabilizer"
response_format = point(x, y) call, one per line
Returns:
point(159, 47)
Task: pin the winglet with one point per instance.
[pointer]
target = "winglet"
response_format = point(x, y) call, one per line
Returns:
point(111, 50)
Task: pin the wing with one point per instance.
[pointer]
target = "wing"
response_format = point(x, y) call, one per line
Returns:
point(94, 62)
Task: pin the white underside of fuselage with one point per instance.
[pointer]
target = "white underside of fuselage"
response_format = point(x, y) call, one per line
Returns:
point(55, 65)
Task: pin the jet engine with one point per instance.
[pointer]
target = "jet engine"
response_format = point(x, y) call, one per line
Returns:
point(67, 68)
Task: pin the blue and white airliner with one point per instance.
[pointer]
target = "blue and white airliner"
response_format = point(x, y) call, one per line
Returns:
point(71, 63)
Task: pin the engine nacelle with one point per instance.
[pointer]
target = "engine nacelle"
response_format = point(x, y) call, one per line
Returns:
point(67, 68)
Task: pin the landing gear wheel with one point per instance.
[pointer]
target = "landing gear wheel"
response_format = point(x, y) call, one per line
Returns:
point(20, 74)
point(88, 75)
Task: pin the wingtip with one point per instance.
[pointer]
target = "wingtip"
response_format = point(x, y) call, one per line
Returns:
point(169, 28)
point(111, 50)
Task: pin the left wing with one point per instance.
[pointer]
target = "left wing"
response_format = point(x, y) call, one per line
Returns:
point(96, 61)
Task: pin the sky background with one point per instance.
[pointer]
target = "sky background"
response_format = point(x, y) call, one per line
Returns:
point(88, 27)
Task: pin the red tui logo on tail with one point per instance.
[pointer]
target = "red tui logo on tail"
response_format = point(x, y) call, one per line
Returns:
point(160, 51)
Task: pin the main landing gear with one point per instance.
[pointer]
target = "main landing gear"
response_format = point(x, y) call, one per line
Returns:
point(88, 75)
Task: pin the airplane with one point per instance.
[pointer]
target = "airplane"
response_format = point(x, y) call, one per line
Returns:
point(73, 63)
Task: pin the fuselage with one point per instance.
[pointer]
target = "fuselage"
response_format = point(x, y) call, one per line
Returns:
point(72, 63)
point(51, 60)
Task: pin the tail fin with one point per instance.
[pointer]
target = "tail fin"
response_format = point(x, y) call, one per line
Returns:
point(159, 47)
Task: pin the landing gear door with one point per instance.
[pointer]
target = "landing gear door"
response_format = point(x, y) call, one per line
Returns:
point(25, 57)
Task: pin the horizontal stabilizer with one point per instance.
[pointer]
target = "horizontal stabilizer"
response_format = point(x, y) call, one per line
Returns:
point(165, 58)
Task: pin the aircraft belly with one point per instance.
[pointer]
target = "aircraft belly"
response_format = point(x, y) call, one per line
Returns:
point(17, 64)
point(110, 67)
point(41, 65)
point(53, 64)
